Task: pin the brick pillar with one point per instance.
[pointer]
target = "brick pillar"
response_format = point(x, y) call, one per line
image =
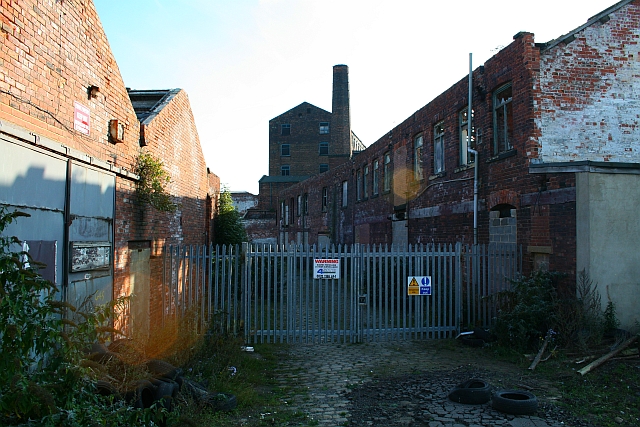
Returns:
point(340, 143)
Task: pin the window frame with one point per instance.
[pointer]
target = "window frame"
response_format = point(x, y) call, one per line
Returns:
point(365, 179)
point(438, 147)
point(282, 150)
point(345, 194)
point(324, 166)
point(466, 158)
point(324, 128)
point(386, 171)
point(375, 187)
point(323, 145)
point(285, 168)
point(502, 108)
point(418, 146)
point(284, 126)
point(358, 185)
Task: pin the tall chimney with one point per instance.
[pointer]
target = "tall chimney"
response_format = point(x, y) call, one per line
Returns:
point(340, 142)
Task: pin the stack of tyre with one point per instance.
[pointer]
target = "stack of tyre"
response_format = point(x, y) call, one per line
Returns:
point(478, 392)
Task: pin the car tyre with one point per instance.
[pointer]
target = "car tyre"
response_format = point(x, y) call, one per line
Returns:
point(515, 402)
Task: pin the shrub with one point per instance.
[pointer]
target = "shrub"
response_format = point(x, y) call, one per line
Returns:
point(526, 311)
point(43, 380)
point(152, 183)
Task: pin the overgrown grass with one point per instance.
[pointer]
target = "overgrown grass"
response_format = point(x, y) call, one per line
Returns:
point(605, 397)
point(221, 364)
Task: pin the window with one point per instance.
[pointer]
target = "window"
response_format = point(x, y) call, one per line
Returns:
point(305, 204)
point(502, 119)
point(417, 158)
point(285, 130)
point(358, 184)
point(324, 149)
point(324, 128)
point(284, 209)
point(438, 148)
point(463, 124)
point(365, 178)
point(284, 170)
point(299, 209)
point(344, 194)
point(375, 177)
point(325, 198)
point(324, 167)
point(284, 150)
point(387, 173)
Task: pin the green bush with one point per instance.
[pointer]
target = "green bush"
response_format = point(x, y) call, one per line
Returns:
point(43, 380)
point(527, 311)
point(531, 308)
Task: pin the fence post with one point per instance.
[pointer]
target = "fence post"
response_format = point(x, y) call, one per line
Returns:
point(245, 299)
point(458, 284)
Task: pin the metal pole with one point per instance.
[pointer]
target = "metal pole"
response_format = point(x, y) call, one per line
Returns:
point(475, 154)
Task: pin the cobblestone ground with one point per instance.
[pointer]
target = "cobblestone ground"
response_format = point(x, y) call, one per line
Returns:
point(404, 384)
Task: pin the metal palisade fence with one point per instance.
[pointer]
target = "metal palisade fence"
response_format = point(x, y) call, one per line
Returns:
point(354, 293)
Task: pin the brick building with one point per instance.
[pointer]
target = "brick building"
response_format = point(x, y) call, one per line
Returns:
point(555, 128)
point(306, 141)
point(70, 134)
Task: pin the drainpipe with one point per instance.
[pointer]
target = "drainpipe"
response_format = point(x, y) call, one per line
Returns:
point(66, 256)
point(475, 153)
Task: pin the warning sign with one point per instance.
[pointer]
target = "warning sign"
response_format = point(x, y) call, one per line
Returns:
point(81, 118)
point(419, 285)
point(326, 268)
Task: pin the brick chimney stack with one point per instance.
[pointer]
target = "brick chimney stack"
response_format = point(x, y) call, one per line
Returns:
point(340, 143)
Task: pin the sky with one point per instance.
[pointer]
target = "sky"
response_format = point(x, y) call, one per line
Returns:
point(244, 62)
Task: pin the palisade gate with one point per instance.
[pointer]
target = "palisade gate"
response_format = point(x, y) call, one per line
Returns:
point(354, 293)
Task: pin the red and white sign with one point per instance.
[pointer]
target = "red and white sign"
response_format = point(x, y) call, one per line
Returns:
point(81, 118)
point(326, 268)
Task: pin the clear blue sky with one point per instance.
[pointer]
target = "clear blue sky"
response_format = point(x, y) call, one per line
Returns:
point(244, 62)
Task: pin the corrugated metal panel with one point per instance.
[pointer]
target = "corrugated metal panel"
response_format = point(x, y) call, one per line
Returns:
point(35, 182)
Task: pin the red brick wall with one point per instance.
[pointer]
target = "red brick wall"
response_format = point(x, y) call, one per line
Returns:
point(590, 82)
point(304, 140)
point(440, 207)
point(49, 56)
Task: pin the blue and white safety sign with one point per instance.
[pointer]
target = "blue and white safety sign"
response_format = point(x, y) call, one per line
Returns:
point(419, 285)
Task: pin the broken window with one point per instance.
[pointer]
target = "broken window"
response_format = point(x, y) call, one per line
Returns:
point(463, 125)
point(324, 128)
point(417, 158)
point(324, 149)
point(502, 119)
point(438, 148)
